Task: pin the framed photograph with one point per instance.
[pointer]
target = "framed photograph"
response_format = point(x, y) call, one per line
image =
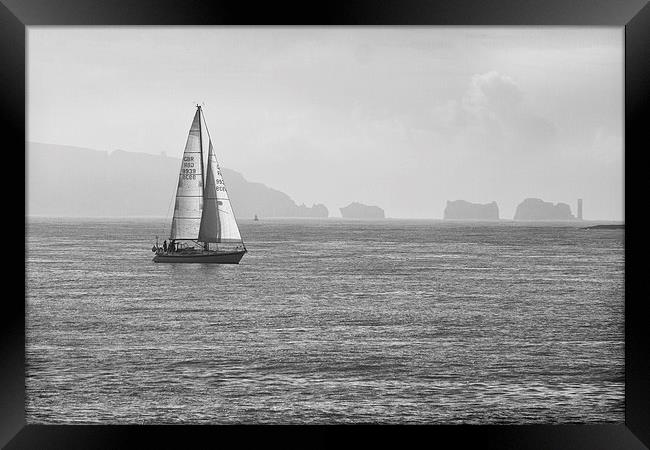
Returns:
point(356, 213)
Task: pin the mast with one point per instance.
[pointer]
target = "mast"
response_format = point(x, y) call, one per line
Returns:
point(201, 148)
point(202, 171)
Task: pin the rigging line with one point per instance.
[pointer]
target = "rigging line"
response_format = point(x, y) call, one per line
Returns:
point(169, 207)
point(206, 125)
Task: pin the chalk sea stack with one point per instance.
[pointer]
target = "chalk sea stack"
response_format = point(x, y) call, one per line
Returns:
point(464, 210)
point(359, 211)
point(317, 210)
point(537, 209)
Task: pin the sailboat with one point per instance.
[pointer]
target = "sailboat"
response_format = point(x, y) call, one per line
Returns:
point(204, 228)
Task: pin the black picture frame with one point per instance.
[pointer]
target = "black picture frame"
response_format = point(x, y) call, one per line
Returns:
point(633, 15)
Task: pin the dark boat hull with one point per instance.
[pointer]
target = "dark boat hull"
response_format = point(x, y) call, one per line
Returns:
point(200, 257)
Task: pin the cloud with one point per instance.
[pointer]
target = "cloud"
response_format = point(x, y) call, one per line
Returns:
point(493, 92)
point(493, 114)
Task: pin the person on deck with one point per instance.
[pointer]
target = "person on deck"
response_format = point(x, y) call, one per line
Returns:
point(165, 246)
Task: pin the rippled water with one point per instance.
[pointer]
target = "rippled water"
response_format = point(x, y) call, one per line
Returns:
point(327, 321)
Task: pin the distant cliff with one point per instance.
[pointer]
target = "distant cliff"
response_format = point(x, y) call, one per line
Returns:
point(536, 209)
point(359, 211)
point(73, 181)
point(463, 210)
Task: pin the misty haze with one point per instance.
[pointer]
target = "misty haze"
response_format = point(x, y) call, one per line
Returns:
point(402, 118)
point(324, 225)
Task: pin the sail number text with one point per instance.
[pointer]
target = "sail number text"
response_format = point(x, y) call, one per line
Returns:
point(188, 172)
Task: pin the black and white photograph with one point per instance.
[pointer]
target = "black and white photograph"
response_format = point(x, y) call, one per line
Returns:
point(324, 225)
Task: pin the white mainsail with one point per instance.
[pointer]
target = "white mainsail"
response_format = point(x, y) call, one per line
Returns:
point(218, 222)
point(189, 193)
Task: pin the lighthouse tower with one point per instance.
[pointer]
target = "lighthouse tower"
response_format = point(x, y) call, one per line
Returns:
point(579, 209)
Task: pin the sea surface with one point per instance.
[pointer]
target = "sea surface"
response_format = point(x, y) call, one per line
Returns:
point(326, 321)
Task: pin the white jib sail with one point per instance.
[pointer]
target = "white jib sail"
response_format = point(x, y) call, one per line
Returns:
point(189, 193)
point(218, 222)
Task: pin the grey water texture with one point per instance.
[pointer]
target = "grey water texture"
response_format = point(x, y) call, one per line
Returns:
point(326, 321)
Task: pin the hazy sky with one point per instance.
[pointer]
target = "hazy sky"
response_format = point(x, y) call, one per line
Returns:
point(401, 117)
